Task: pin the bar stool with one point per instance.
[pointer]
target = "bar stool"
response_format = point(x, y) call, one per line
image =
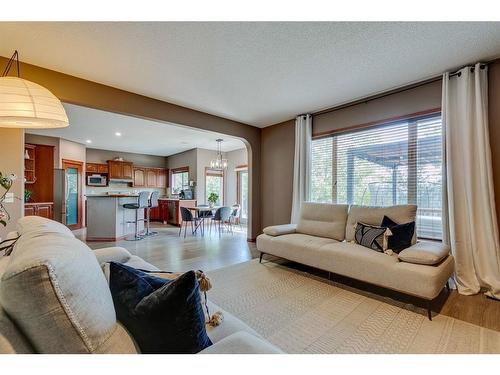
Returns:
point(142, 202)
point(152, 203)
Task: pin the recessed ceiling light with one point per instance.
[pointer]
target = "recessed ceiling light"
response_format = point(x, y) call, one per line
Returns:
point(118, 134)
point(88, 141)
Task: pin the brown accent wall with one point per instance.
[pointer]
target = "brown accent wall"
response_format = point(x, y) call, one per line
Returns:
point(86, 93)
point(278, 148)
point(494, 126)
point(412, 101)
point(12, 161)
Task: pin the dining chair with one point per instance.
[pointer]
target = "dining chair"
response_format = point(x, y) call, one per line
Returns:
point(221, 218)
point(202, 214)
point(235, 215)
point(187, 217)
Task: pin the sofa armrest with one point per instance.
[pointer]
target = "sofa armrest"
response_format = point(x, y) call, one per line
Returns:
point(279, 230)
point(241, 343)
point(112, 254)
point(425, 252)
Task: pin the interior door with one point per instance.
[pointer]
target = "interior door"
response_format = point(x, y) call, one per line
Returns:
point(73, 193)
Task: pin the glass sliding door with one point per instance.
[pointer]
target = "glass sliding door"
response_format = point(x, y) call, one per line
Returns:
point(243, 194)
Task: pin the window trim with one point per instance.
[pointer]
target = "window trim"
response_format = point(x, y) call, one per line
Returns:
point(374, 124)
point(412, 120)
point(215, 174)
point(177, 171)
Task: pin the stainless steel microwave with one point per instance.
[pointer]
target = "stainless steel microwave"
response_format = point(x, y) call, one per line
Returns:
point(96, 180)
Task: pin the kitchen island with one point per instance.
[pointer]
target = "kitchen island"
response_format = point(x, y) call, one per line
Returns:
point(107, 219)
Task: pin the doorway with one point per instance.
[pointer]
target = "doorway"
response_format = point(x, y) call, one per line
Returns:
point(73, 172)
point(242, 193)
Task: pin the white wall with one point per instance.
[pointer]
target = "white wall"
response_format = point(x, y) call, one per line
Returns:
point(12, 161)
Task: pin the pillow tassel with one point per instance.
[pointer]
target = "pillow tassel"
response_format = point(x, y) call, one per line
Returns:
point(204, 281)
point(216, 319)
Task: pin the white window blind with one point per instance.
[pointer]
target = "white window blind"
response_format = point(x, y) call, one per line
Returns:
point(395, 163)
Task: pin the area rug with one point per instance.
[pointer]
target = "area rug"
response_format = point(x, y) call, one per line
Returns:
point(302, 313)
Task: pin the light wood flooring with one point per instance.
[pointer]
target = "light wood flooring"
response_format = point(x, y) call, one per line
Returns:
point(170, 252)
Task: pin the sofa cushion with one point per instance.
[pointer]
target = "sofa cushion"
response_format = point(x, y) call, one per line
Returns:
point(323, 220)
point(242, 343)
point(112, 254)
point(12, 341)
point(164, 316)
point(279, 230)
point(56, 293)
point(375, 215)
point(425, 252)
point(298, 247)
point(230, 325)
point(40, 226)
point(384, 270)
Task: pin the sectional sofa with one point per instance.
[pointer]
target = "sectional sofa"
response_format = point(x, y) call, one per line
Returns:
point(54, 298)
point(324, 238)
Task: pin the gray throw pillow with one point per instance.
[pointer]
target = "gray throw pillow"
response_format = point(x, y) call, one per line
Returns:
point(372, 236)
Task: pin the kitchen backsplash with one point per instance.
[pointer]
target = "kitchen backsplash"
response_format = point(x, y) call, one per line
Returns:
point(120, 187)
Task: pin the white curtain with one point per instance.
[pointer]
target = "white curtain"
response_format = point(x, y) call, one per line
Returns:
point(470, 223)
point(302, 164)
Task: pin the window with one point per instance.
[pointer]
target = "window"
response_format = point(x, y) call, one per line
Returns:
point(180, 179)
point(394, 163)
point(214, 183)
point(242, 191)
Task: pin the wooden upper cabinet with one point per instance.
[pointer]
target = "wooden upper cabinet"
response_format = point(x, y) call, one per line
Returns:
point(161, 178)
point(152, 177)
point(127, 170)
point(92, 167)
point(115, 169)
point(139, 177)
point(102, 168)
point(96, 168)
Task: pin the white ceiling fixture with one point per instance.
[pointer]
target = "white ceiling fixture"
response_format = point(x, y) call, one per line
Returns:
point(88, 141)
point(24, 104)
point(138, 135)
point(219, 162)
point(259, 73)
point(118, 134)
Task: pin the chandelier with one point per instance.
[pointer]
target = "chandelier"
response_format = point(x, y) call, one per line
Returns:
point(25, 104)
point(219, 162)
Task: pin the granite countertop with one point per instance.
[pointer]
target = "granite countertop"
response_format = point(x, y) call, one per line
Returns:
point(111, 195)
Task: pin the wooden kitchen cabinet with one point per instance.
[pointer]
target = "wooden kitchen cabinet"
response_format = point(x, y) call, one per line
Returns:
point(120, 170)
point(139, 177)
point(96, 168)
point(162, 204)
point(151, 175)
point(127, 170)
point(174, 209)
point(44, 209)
point(102, 168)
point(92, 168)
point(161, 178)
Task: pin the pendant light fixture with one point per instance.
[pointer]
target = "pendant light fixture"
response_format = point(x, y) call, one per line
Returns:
point(25, 104)
point(219, 162)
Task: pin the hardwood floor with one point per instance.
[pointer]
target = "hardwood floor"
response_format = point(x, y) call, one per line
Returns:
point(170, 252)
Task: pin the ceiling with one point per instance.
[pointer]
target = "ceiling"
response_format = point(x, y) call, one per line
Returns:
point(137, 135)
point(255, 73)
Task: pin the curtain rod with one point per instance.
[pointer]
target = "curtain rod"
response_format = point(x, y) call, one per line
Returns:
point(393, 91)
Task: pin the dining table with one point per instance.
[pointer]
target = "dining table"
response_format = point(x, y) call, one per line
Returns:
point(201, 219)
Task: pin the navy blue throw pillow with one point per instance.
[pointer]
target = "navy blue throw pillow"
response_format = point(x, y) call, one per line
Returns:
point(163, 316)
point(402, 234)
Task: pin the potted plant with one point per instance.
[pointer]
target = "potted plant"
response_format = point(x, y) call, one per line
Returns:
point(6, 182)
point(27, 195)
point(213, 198)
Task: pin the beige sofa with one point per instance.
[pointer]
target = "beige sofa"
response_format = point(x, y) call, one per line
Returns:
point(54, 298)
point(324, 239)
